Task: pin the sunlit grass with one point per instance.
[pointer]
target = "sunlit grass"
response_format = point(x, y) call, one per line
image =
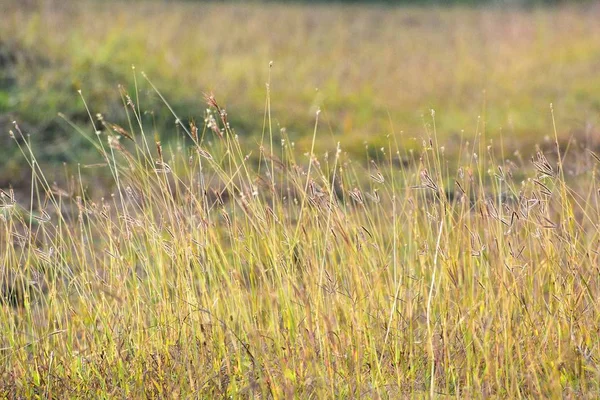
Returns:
point(216, 268)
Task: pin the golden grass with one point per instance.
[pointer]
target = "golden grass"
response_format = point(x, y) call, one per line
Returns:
point(460, 260)
point(211, 272)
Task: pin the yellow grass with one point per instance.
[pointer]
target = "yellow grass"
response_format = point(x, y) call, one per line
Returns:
point(206, 273)
point(281, 264)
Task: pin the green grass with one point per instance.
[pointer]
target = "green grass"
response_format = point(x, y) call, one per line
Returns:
point(209, 274)
point(375, 67)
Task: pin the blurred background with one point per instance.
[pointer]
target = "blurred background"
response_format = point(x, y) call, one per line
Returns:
point(374, 68)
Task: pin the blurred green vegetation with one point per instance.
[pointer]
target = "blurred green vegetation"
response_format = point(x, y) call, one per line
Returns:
point(372, 70)
point(426, 3)
point(434, 2)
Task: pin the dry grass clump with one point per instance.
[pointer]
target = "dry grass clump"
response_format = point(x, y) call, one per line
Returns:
point(219, 270)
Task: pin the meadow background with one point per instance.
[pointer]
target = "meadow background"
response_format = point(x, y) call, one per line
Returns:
point(299, 199)
point(371, 68)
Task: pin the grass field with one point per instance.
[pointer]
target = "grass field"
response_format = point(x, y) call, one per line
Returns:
point(376, 68)
point(374, 248)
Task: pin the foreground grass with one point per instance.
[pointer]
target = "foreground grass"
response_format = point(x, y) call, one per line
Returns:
point(216, 270)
